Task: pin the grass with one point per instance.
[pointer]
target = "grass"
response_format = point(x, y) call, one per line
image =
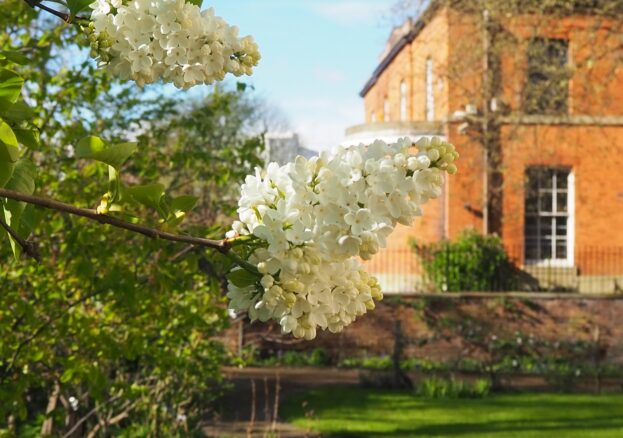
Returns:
point(356, 412)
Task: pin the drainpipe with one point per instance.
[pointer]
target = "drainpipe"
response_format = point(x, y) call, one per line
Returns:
point(486, 79)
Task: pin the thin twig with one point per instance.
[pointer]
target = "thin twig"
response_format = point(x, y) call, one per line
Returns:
point(29, 248)
point(220, 245)
point(90, 414)
point(67, 18)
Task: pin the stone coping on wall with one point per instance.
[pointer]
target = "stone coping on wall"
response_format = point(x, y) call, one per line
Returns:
point(391, 131)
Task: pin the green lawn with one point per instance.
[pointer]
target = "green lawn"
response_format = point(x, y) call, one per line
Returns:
point(354, 412)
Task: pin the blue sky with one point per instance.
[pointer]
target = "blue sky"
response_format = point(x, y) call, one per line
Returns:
point(316, 57)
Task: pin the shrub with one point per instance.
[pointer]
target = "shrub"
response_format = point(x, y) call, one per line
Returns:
point(473, 263)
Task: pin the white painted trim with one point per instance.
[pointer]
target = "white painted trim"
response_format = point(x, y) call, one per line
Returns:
point(571, 220)
point(550, 263)
point(403, 101)
point(386, 136)
point(430, 91)
point(570, 260)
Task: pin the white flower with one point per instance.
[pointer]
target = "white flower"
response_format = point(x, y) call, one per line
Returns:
point(360, 221)
point(169, 40)
point(310, 218)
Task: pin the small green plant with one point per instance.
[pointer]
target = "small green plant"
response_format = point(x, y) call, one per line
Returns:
point(369, 363)
point(473, 263)
point(443, 388)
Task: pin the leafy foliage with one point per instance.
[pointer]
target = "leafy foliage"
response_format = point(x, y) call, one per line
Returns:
point(473, 263)
point(111, 333)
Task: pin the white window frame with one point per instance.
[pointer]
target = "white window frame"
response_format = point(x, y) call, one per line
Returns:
point(570, 259)
point(403, 101)
point(430, 91)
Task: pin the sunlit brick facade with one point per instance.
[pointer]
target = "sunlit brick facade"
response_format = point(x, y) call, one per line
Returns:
point(558, 187)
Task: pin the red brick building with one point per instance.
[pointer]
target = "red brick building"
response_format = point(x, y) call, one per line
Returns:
point(534, 104)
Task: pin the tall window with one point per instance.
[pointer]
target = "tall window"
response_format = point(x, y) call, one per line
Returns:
point(430, 95)
point(548, 221)
point(386, 110)
point(547, 85)
point(373, 116)
point(403, 101)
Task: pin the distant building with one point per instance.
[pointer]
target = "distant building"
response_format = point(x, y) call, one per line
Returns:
point(547, 92)
point(284, 148)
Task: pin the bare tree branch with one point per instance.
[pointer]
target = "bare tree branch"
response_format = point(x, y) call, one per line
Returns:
point(67, 18)
point(222, 246)
point(90, 414)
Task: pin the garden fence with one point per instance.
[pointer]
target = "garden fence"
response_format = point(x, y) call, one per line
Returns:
point(440, 268)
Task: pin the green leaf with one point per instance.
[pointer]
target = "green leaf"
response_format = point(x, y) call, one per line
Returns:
point(149, 195)
point(68, 375)
point(242, 278)
point(113, 155)
point(6, 171)
point(15, 112)
point(29, 137)
point(77, 6)
point(15, 56)
point(23, 181)
point(241, 87)
point(10, 85)
point(179, 207)
point(195, 2)
point(9, 147)
point(184, 203)
point(30, 219)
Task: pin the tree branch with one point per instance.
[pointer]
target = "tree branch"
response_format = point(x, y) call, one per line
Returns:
point(90, 414)
point(222, 246)
point(29, 248)
point(67, 18)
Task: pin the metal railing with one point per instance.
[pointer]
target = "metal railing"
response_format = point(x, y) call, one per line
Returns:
point(440, 268)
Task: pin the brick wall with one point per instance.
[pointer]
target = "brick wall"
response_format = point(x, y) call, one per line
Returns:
point(589, 139)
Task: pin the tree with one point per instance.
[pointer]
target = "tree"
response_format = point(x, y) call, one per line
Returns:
point(109, 329)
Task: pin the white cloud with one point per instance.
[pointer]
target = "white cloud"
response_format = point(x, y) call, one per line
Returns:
point(351, 12)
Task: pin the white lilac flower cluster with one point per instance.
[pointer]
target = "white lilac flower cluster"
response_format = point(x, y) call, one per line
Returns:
point(310, 219)
point(149, 40)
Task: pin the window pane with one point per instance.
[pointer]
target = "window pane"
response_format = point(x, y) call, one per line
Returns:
point(561, 249)
point(547, 83)
point(530, 228)
point(545, 229)
point(547, 178)
point(532, 202)
point(561, 202)
point(561, 227)
point(532, 252)
point(562, 178)
point(546, 250)
point(545, 202)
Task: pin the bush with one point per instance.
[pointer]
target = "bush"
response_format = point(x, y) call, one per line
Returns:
point(473, 263)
